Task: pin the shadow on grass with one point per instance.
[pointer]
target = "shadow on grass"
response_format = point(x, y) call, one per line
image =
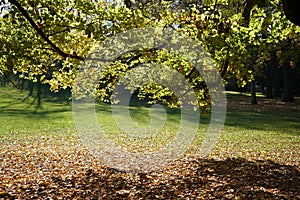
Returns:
point(18, 102)
point(19, 108)
point(238, 115)
point(142, 114)
point(32, 113)
point(195, 178)
point(266, 121)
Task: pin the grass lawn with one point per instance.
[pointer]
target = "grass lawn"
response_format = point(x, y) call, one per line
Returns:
point(41, 155)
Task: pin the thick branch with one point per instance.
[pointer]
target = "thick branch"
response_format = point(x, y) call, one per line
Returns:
point(41, 33)
point(247, 12)
point(224, 68)
point(249, 6)
point(127, 3)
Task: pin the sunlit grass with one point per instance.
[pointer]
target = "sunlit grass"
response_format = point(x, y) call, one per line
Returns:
point(250, 131)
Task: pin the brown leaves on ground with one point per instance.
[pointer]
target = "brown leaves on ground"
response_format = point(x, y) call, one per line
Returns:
point(39, 171)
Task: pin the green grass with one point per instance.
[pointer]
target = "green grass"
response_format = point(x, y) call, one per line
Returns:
point(21, 117)
point(270, 130)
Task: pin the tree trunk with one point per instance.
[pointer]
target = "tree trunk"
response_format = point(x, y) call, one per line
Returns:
point(269, 90)
point(22, 84)
point(277, 79)
point(270, 73)
point(3, 81)
point(288, 83)
point(253, 93)
point(39, 91)
point(30, 88)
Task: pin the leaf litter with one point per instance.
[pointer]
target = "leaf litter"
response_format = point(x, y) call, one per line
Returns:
point(56, 168)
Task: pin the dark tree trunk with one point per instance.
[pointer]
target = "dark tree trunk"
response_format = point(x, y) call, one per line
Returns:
point(277, 79)
point(269, 88)
point(253, 93)
point(22, 84)
point(39, 91)
point(269, 76)
point(263, 86)
point(3, 81)
point(288, 83)
point(30, 88)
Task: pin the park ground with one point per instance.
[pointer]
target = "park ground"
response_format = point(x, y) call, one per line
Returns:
point(257, 157)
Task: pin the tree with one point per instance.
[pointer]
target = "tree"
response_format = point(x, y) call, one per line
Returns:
point(37, 35)
point(288, 58)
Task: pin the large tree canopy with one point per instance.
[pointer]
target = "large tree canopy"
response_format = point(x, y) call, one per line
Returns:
point(49, 39)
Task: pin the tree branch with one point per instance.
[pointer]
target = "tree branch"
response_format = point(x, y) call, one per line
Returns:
point(41, 33)
point(58, 32)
